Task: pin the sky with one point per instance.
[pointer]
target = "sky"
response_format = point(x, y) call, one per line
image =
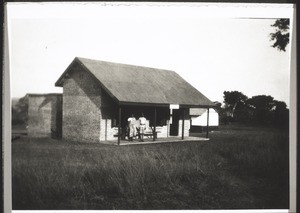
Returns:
point(215, 48)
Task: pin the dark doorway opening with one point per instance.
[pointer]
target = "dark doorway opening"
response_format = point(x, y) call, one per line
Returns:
point(174, 127)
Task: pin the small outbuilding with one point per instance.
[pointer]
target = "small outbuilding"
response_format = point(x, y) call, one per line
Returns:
point(199, 119)
point(45, 115)
point(99, 96)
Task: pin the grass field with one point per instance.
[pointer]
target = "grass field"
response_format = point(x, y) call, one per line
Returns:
point(240, 167)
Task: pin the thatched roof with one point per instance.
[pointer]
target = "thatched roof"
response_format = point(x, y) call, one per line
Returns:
point(129, 84)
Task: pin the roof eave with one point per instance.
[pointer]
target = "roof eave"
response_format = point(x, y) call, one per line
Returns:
point(128, 103)
point(44, 94)
point(197, 105)
point(164, 104)
point(59, 82)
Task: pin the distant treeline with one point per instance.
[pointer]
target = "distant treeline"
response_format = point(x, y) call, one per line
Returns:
point(257, 110)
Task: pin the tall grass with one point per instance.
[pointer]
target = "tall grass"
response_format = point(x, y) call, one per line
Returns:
point(235, 169)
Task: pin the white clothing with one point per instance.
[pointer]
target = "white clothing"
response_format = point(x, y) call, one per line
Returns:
point(142, 120)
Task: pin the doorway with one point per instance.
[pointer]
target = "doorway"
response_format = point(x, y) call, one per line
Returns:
point(175, 122)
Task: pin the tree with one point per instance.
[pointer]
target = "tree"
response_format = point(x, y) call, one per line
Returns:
point(259, 110)
point(20, 112)
point(233, 101)
point(262, 106)
point(281, 36)
point(281, 114)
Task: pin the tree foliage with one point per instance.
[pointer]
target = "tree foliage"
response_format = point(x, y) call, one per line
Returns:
point(281, 113)
point(281, 35)
point(233, 100)
point(261, 106)
point(20, 112)
point(259, 110)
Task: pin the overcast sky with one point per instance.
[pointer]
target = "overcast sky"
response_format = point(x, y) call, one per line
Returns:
point(213, 48)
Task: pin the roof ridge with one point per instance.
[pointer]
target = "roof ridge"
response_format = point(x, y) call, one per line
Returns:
point(122, 64)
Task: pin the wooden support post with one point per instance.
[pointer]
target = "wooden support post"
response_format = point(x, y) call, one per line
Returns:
point(154, 133)
point(207, 126)
point(182, 133)
point(119, 126)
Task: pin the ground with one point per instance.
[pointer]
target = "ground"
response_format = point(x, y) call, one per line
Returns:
point(238, 168)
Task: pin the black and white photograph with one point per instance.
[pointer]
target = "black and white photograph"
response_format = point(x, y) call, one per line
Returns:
point(150, 106)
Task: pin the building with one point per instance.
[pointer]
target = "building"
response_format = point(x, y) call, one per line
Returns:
point(99, 96)
point(199, 119)
point(44, 115)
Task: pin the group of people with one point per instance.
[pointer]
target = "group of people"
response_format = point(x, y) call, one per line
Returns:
point(133, 127)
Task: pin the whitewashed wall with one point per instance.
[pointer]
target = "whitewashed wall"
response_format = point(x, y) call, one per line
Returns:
point(202, 119)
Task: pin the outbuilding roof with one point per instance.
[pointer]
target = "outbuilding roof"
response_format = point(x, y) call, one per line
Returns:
point(137, 85)
point(44, 94)
point(200, 111)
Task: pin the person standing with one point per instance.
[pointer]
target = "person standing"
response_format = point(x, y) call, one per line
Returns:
point(142, 129)
point(132, 128)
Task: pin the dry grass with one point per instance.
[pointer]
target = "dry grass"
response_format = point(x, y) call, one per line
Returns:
point(238, 168)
